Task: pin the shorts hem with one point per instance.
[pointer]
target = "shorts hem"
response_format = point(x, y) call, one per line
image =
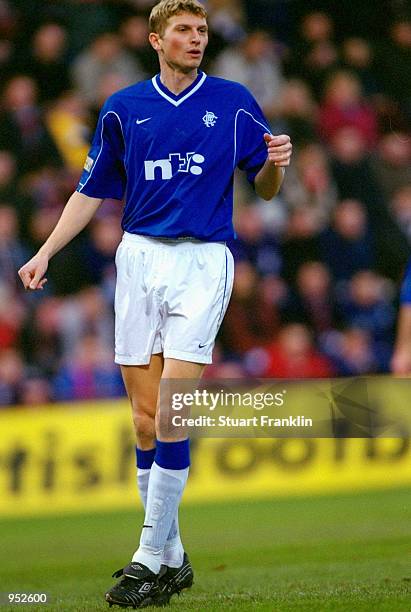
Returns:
point(183, 356)
point(130, 360)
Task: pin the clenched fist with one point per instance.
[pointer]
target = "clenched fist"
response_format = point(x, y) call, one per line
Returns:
point(279, 149)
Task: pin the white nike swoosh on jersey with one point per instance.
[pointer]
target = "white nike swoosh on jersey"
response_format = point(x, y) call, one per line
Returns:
point(138, 121)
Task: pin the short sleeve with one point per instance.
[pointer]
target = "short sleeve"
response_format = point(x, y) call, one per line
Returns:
point(405, 294)
point(251, 149)
point(104, 174)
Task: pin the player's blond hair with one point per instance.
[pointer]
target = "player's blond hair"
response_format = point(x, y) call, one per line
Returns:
point(165, 9)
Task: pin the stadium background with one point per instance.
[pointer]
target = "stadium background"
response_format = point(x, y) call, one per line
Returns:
point(315, 295)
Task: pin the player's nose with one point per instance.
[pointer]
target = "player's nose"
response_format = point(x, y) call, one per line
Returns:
point(195, 37)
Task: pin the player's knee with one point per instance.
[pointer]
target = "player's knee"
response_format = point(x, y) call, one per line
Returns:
point(143, 407)
point(144, 425)
point(165, 428)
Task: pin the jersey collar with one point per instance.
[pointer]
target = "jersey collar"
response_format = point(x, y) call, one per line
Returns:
point(174, 99)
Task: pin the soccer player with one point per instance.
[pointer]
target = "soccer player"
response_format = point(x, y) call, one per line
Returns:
point(401, 359)
point(169, 146)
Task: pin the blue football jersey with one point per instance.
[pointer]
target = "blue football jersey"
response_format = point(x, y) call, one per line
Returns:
point(172, 157)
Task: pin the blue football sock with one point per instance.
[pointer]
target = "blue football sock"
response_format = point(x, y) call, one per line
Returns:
point(173, 552)
point(168, 477)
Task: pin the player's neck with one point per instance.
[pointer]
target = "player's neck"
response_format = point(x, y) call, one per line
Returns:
point(175, 80)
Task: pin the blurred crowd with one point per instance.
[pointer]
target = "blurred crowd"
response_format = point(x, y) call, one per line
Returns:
point(318, 269)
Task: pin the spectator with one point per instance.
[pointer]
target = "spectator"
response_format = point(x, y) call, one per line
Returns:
point(287, 252)
point(401, 208)
point(42, 338)
point(223, 367)
point(313, 302)
point(12, 252)
point(105, 56)
point(105, 236)
point(12, 316)
point(89, 372)
point(358, 58)
point(310, 184)
point(393, 61)
point(46, 187)
point(11, 192)
point(67, 123)
point(74, 276)
point(294, 355)
point(254, 63)
point(300, 242)
point(315, 55)
point(316, 27)
point(343, 106)
point(6, 55)
point(11, 376)
point(297, 112)
point(8, 172)
point(86, 313)
point(251, 320)
point(226, 19)
point(134, 37)
point(348, 245)
point(36, 392)
point(254, 243)
point(392, 163)
point(367, 304)
point(355, 179)
point(22, 128)
point(353, 353)
point(47, 61)
point(107, 86)
point(276, 16)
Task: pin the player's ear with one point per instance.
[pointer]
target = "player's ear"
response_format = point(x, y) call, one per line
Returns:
point(154, 39)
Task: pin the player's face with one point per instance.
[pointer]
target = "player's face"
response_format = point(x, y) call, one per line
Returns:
point(183, 42)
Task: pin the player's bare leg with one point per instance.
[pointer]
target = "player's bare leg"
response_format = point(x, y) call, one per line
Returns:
point(167, 481)
point(137, 587)
point(175, 369)
point(142, 384)
point(168, 561)
point(174, 578)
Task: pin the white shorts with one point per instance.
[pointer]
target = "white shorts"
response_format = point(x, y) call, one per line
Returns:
point(171, 296)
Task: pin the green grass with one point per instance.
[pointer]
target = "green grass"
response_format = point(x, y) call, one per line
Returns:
point(331, 553)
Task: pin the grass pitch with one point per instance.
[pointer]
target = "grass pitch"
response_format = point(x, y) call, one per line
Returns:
point(348, 553)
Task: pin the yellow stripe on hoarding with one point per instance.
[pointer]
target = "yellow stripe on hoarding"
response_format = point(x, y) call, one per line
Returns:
point(79, 458)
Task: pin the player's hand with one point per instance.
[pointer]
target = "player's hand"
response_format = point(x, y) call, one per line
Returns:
point(32, 273)
point(279, 149)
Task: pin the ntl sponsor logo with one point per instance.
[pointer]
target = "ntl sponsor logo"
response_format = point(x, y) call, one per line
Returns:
point(175, 163)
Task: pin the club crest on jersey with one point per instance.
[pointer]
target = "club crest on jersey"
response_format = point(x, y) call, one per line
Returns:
point(209, 119)
point(176, 162)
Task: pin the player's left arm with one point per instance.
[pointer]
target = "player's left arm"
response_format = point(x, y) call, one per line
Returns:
point(268, 180)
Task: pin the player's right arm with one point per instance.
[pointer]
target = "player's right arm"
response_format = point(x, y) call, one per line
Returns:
point(77, 213)
point(103, 176)
point(401, 359)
